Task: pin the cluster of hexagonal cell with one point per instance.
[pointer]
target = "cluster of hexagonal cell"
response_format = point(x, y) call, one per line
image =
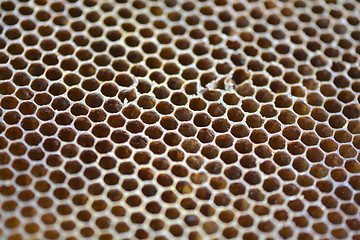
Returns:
point(205, 119)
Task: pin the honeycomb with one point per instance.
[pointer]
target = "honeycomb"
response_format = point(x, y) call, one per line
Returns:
point(175, 119)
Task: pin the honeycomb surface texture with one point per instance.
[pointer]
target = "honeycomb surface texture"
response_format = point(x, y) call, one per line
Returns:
point(175, 119)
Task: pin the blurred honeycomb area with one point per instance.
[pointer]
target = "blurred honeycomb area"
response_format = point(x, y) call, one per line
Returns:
point(176, 119)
